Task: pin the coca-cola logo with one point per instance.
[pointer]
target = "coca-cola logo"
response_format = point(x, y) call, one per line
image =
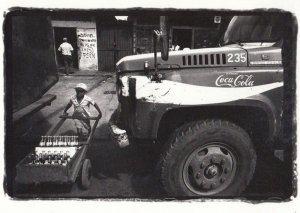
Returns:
point(235, 80)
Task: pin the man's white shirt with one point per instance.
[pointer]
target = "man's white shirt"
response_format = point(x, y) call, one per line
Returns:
point(66, 48)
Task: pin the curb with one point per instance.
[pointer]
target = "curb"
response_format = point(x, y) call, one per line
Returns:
point(88, 75)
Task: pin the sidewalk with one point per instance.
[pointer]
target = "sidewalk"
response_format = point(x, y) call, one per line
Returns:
point(98, 85)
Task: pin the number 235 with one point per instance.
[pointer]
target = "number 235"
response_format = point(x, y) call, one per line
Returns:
point(237, 57)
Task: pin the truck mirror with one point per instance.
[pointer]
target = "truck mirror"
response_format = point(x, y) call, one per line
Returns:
point(164, 38)
point(160, 36)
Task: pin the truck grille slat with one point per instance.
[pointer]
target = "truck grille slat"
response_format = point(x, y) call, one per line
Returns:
point(195, 60)
point(200, 60)
point(224, 58)
point(206, 59)
point(212, 59)
point(218, 58)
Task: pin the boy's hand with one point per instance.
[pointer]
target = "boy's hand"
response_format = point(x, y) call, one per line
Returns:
point(65, 114)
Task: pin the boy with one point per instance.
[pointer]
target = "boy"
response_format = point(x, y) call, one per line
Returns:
point(81, 103)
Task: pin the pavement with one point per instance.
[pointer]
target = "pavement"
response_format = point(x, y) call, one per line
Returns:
point(98, 85)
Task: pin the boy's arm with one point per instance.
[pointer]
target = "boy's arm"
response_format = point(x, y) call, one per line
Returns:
point(98, 109)
point(67, 107)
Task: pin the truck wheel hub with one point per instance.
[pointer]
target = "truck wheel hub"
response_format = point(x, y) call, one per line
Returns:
point(209, 169)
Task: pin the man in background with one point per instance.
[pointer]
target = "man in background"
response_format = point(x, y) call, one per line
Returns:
point(66, 49)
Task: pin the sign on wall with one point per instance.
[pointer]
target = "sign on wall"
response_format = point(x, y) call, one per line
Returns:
point(87, 49)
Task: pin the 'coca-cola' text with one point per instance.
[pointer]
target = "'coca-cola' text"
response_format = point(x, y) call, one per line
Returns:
point(235, 80)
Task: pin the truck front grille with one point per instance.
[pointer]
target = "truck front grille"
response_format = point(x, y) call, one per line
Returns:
point(204, 60)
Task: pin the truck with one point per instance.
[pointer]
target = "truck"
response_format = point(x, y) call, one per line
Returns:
point(209, 109)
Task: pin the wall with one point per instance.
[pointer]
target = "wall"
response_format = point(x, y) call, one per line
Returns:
point(144, 38)
point(201, 37)
point(32, 58)
point(87, 49)
point(77, 24)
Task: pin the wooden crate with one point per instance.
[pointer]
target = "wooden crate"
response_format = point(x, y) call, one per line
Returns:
point(51, 173)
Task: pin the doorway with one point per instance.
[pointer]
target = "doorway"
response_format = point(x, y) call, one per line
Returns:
point(182, 37)
point(70, 33)
point(115, 43)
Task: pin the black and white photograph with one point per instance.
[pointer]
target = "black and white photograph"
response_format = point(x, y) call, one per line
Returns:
point(150, 104)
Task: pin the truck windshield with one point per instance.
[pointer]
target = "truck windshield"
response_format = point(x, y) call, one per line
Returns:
point(253, 29)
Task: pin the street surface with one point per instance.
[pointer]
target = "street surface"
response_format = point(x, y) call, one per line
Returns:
point(128, 172)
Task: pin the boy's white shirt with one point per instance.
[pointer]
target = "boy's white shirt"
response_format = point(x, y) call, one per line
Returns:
point(84, 103)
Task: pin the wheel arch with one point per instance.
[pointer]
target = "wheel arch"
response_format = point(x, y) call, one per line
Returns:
point(246, 115)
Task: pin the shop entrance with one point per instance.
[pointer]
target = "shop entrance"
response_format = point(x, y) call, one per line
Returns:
point(182, 37)
point(70, 33)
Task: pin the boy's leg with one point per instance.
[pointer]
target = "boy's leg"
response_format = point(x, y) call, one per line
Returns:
point(79, 132)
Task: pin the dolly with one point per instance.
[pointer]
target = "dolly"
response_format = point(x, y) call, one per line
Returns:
point(76, 166)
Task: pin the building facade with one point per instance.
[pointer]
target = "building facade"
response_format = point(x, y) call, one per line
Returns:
point(100, 40)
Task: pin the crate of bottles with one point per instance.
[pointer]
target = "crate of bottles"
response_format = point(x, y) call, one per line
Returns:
point(57, 159)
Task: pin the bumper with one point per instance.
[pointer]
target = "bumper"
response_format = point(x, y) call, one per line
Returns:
point(118, 136)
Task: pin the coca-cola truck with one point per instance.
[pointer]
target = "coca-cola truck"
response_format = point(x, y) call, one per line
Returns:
point(207, 109)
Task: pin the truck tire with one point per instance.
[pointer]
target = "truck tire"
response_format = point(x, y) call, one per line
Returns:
point(86, 174)
point(207, 158)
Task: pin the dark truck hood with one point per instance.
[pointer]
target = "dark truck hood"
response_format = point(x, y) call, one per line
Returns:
point(206, 57)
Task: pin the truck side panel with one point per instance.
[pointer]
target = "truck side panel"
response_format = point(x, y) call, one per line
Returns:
point(242, 86)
